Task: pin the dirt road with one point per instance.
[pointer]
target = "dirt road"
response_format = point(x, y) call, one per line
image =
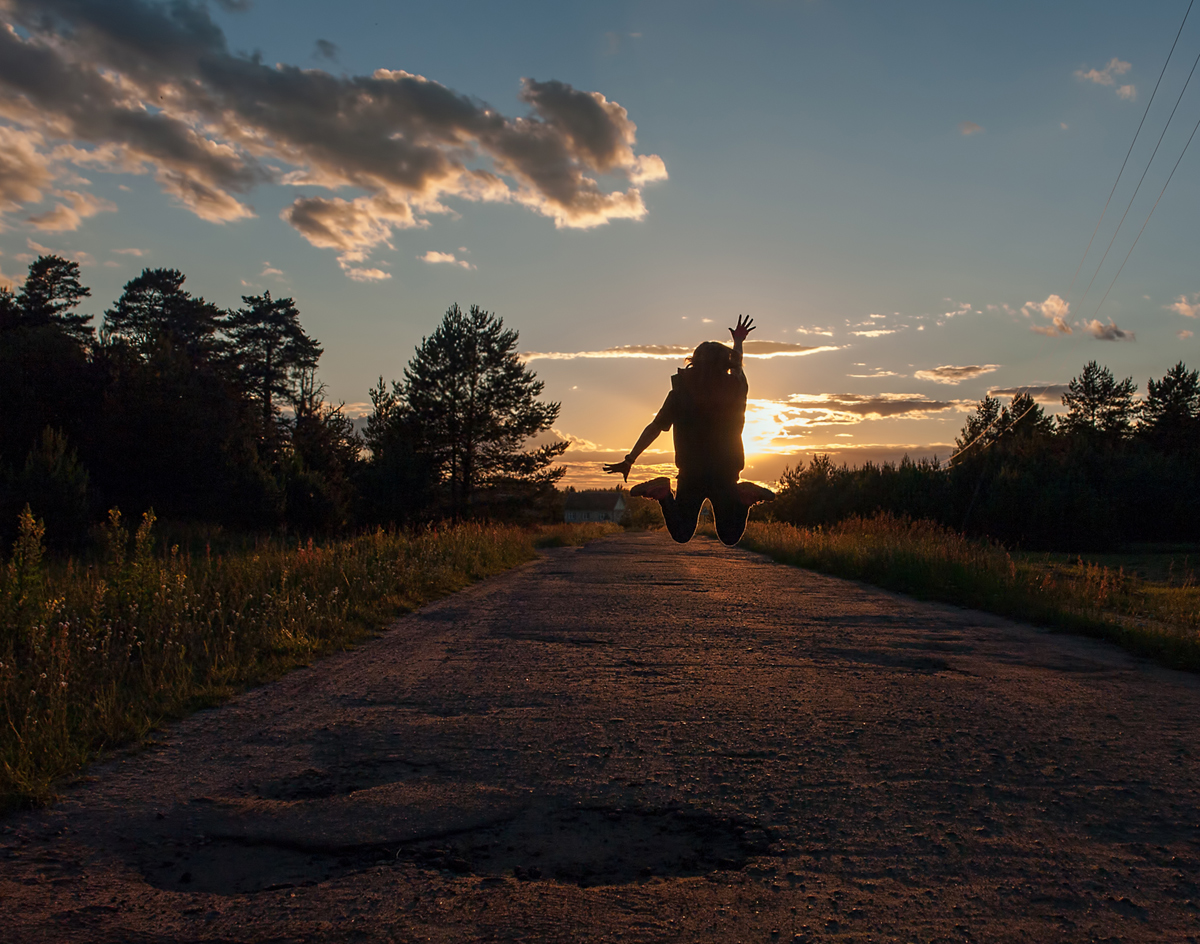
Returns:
point(636, 741)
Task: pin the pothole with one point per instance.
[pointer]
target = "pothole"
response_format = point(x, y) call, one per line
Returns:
point(339, 780)
point(594, 846)
point(597, 846)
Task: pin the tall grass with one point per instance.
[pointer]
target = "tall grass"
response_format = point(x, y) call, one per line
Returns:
point(96, 656)
point(928, 561)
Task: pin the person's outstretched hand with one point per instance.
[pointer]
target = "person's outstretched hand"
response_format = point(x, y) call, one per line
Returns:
point(621, 467)
point(744, 327)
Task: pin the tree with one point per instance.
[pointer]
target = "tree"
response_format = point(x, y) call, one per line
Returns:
point(1026, 418)
point(980, 428)
point(474, 406)
point(1097, 404)
point(271, 352)
point(52, 290)
point(1171, 413)
point(154, 309)
point(397, 481)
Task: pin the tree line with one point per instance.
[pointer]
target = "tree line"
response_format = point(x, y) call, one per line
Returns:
point(1111, 470)
point(217, 415)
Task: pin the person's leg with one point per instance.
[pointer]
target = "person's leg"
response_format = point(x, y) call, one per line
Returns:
point(682, 511)
point(731, 512)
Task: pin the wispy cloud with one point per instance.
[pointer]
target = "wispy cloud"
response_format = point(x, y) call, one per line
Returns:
point(969, 128)
point(363, 274)
point(805, 410)
point(324, 49)
point(433, 257)
point(270, 270)
point(1107, 76)
point(136, 253)
point(955, 375)
point(1107, 332)
point(820, 332)
point(68, 216)
point(672, 352)
point(874, 332)
point(1042, 393)
point(1183, 334)
point(875, 374)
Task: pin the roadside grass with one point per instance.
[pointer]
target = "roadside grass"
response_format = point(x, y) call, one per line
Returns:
point(1157, 618)
point(96, 656)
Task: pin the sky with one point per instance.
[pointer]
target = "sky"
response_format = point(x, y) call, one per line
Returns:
point(900, 195)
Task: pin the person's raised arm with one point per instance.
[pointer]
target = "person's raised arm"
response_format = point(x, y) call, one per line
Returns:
point(744, 327)
point(649, 434)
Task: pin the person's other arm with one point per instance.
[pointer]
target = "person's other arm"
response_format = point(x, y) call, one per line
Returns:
point(660, 424)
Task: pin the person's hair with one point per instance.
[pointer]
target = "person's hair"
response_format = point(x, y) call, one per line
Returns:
point(711, 357)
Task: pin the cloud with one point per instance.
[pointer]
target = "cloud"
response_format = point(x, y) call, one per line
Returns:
point(960, 308)
point(352, 227)
point(67, 217)
point(1107, 332)
point(365, 275)
point(673, 352)
point(268, 269)
point(1183, 334)
point(324, 49)
point(801, 412)
point(153, 88)
point(1106, 75)
point(955, 375)
point(433, 257)
point(1183, 307)
point(875, 332)
point(1127, 92)
point(138, 253)
point(24, 169)
point(877, 373)
point(1042, 393)
point(1054, 308)
point(821, 332)
point(969, 127)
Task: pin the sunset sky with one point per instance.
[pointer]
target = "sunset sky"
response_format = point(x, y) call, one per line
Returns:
point(899, 194)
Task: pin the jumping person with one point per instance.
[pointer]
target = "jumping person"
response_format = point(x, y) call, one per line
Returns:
point(707, 407)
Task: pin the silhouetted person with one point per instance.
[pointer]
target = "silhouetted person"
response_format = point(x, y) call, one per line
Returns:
point(707, 407)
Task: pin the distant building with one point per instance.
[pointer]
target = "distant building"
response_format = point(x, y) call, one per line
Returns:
point(594, 505)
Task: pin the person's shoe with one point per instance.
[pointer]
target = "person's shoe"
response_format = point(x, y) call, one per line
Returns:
point(751, 493)
point(658, 489)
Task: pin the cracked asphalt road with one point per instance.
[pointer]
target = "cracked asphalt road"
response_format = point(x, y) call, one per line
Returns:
point(639, 741)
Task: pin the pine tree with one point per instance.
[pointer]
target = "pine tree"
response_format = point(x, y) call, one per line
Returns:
point(1171, 413)
point(154, 310)
point(271, 351)
point(474, 406)
point(1097, 404)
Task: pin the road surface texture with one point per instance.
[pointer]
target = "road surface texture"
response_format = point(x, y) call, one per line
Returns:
point(637, 741)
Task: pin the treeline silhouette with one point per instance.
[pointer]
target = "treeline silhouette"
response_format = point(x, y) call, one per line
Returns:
point(217, 416)
point(1109, 471)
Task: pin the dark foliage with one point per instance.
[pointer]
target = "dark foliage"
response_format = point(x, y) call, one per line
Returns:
point(1111, 471)
point(217, 418)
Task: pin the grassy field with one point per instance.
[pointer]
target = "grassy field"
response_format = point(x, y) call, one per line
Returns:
point(1148, 603)
point(96, 656)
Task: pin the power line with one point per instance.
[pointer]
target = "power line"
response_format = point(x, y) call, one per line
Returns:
point(1148, 215)
point(1131, 144)
point(1142, 178)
